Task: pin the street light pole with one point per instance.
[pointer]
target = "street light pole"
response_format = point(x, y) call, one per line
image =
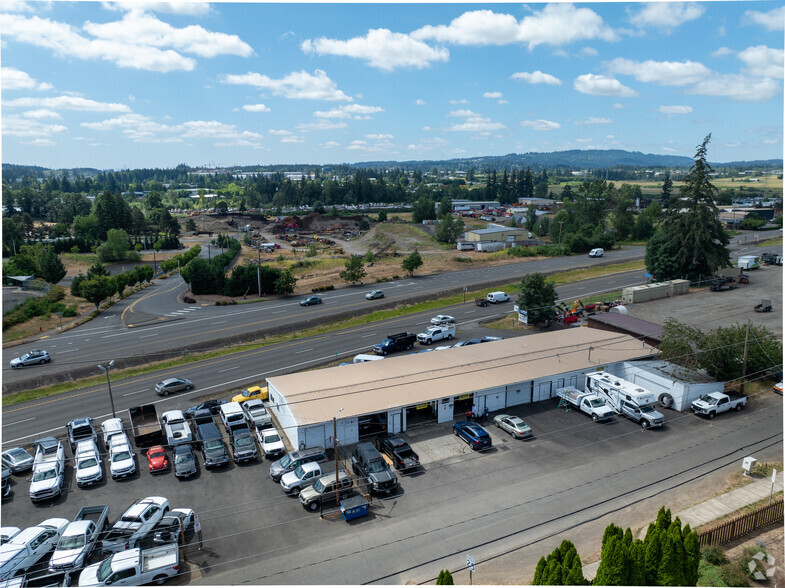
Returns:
point(108, 385)
point(259, 269)
point(561, 225)
point(335, 449)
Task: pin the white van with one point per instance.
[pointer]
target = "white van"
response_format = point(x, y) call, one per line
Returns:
point(599, 252)
point(497, 297)
point(748, 262)
point(363, 357)
point(232, 414)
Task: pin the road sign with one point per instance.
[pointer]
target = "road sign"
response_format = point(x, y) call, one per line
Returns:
point(470, 562)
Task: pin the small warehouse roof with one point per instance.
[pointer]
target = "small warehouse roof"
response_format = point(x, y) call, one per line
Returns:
point(491, 230)
point(629, 324)
point(377, 386)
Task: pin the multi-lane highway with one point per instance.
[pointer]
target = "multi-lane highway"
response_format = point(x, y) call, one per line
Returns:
point(234, 371)
point(162, 326)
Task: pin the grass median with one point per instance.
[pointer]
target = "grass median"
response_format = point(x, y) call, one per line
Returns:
point(381, 315)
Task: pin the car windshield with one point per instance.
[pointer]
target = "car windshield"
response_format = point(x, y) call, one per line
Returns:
point(244, 441)
point(300, 473)
point(43, 475)
point(319, 487)
point(183, 458)
point(212, 444)
point(157, 454)
point(271, 438)
point(17, 453)
point(121, 456)
point(90, 462)
point(72, 542)
point(708, 399)
point(104, 570)
point(285, 460)
point(597, 403)
point(25, 356)
point(647, 409)
point(377, 466)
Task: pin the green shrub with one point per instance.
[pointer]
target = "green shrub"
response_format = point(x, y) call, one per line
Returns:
point(463, 259)
point(732, 574)
point(70, 311)
point(747, 556)
point(714, 555)
point(519, 251)
point(551, 250)
point(709, 575)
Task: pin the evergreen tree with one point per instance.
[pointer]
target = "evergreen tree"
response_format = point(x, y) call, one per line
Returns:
point(412, 262)
point(671, 570)
point(354, 271)
point(538, 571)
point(692, 556)
point(653, 554)
point(97, 289)
point(637, 559)
point(537, 297)
point(531, 216)
point(285, 284)
point(614, 568)
point(50, 268)
point(666, 197)
point(444, 579)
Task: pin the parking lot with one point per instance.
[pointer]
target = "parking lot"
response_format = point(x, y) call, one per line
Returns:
point(245, 515)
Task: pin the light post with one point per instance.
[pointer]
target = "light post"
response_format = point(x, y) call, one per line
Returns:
point(561, 225)
point(108, 385)
point(335, 449)
point(259, 268)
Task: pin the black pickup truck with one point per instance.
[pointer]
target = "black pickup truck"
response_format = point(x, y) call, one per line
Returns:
point(399, 451)
point(395, 342)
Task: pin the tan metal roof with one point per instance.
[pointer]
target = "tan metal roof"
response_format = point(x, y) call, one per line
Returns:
point(376, 386)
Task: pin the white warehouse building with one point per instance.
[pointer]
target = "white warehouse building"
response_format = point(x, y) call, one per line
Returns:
point(442, 385)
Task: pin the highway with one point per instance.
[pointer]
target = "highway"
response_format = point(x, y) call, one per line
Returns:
point(162, 326)
point(238, 370)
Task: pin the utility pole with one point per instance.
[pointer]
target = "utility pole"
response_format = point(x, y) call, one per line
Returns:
point(744, 363)
point(335, 449)
point(561, 225)
point(259, 269)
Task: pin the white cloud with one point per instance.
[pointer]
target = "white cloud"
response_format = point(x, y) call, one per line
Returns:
point(380, 48)
point(462, 113)
point(293, 139)
point(296, 85)
point(357, 145)
point(280, 132)
point(675, 109)
point(15, 126)
point(664, 73)
point(41, 113)
point(138, 41)
point(256, 108)
point(555, 24)
point(136, 127)
point(461, 101)
point(492, 95)
point(331, 145)
point(67, 103)
point(322, 125)
point(773, 20)
point(587, 52)
point(669, 149)
point(594, 120)
point(419, 102)
point(356, 111)
point(667, 15)
point(14, 79)
point(502, 101)
point(227, 134)
point(583, 140)
point(473, 122)
point(618, 106)
point(735, 144)
point(536, 77)
point(764, 61)
point(378, 136)
point(541, 125)
point(185, 8)
point(599, 85)
point(721, 52)
point(17, 6)
point(739, 87)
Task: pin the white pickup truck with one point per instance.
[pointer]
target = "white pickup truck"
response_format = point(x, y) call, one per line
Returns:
point(716, 402)
point(587, 402)
point(135, 523)
point(79, 538)
point(436, 333)
point(134, 567)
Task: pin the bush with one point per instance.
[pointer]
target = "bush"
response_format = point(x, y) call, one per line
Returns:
point(550, 250)
point(714, 555)
point(519, 251)
point(732, 574)
point(709, 575)
point(70, 311)
point(463, 259)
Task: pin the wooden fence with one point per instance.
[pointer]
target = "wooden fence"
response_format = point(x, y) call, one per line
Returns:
point(741, 525)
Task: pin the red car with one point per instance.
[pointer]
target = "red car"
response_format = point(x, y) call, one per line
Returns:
point(156, 459)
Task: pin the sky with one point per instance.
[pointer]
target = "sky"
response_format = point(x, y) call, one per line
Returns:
point(117, 85)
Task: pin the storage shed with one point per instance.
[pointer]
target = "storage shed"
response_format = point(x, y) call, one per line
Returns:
point(500, 234)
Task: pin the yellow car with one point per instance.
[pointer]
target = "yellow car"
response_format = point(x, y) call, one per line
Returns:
point(250, 393)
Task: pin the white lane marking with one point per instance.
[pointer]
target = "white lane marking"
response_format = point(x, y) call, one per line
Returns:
point(469, 311)
point(18, 422)
point(303, 351)
point(278, 312)
point(69, 350)
point(146, 336)
point(137, 392)
point(219, 322)
point(368, 335)
point(228, 369)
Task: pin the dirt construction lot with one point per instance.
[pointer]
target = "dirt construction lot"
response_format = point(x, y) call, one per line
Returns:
point(709, 310)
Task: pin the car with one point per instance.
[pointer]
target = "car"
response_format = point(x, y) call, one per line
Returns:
point(175, 429)
point(311, 300)
point(778, 388)
point(252, 393)
point(88, 463)
point(513, 425)
point(214, 452)
point(29, 546)
point(243, 445)
point(469, 342)
point(475, 436)
point(374, 294)
point(172, 385)
point(212, 405)
point(442, 318)
point(598, 252)
point(6, 483)
point(488, 338)
point(32, 357)
point(184, 461)
point(256, 415)
point(156, 459)
point(8, 533)
point(292, 461)
point(271, 442)
point(121, 457)
point(17, 460)
point(111, 427)
point(402, 455)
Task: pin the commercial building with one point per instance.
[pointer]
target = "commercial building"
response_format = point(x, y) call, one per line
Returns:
point(497, 234)
point(441, 385)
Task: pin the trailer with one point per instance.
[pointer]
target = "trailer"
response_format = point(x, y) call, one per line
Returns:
point(145, 428)
point(488, 246)
point(625, 398)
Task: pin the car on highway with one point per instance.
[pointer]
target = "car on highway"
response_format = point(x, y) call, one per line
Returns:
point(184, 461)
point(252, 393)
point(374, 294)
point(442, 318)
point(212, 405)
point(514, 425)
point(311, 300)
point(172, 385)
point(475, 436)
point(156, 460)
point(17, 460)
point(32, 357)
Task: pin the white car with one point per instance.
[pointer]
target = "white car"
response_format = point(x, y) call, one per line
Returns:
point(135, 524)
point(121, 457)
point(256, 415)
point(176, 429)
point(88, 463)
point(271, 442)
point(442, 318)
point(111, 427)
point(8, 533)
point(29, 546)
point(48, 470)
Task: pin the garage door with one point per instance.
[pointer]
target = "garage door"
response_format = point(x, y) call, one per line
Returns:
point(494, 401)
point(314, 436)
point(519, 395)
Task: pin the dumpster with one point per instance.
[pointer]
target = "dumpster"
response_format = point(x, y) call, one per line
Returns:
point(354, 507)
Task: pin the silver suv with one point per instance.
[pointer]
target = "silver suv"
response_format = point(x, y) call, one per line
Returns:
point(292, 461)
point(326, 488)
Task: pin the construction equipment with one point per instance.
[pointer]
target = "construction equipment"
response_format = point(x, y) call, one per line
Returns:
point(764, 306)
point(720, 284)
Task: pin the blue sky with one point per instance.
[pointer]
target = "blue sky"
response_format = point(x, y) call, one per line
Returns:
point(155, 84)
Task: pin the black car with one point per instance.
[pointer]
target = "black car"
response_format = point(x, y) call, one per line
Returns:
point(214, 406)
point(368, 462)
point(310, 300)
point(214, 452)
point(399, 451)
point(184, 461)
